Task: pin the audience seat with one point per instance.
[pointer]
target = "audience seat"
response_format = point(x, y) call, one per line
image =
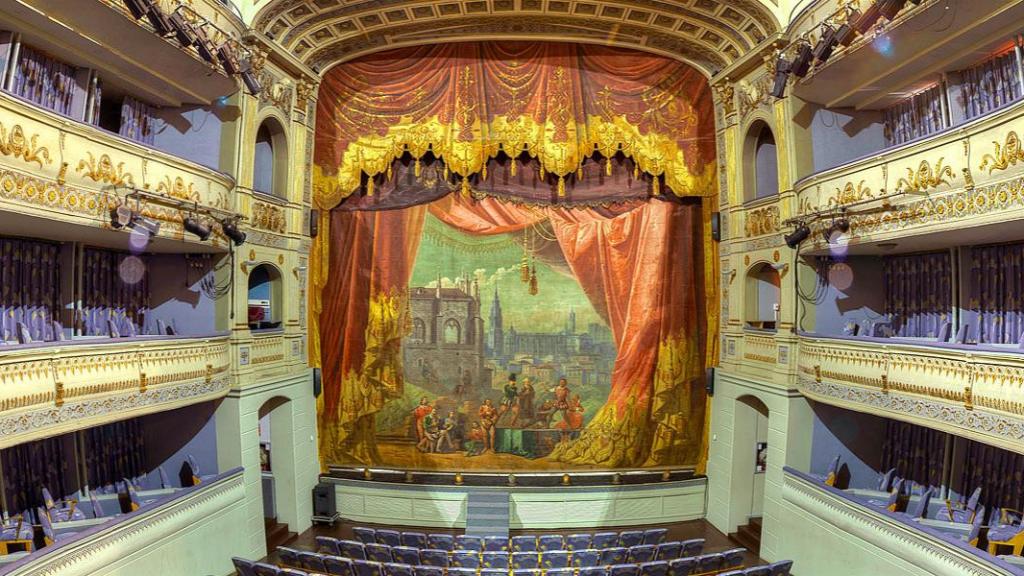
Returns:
point(467, 542)
point(493, 572)
point(465, 559)
point(365, 535)
point(604, 540)
point(378, 552)
point(682, 566)
point(593, 571)
point(527, 572)
point(964, 515)
point(692, 547)
point(554, 559)
point(495, 544)
point(616, 555)
point(290, 556)
point(338, 566)
point(311, 561)
point(389, 537)
point(668, 551)
point(494, 560)
point(396, 569)
point(655, 535)
point(640, 554)
point(366, 568)
point(428, 571)
point(624, 570)
point(657, 568)
point(415, 540)
point(550, 542)
point(578, 541)
point(629, 538)
point(525, 560)
point(780, 568)
point(733, 558)
point(586, 558)
point(264, 569)
point(709, 563)
point(244, 567)
point(525, 543)
point(352, 549)
point(436, 558)
point(406, 555)
point(328, 545)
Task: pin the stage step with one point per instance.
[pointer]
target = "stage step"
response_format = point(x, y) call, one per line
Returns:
point(277, 533)
point(487, 513)
point(749, 535)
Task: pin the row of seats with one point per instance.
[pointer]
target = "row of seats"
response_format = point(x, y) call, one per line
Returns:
point(340, 566)
point(501, 559)
point(522, 543)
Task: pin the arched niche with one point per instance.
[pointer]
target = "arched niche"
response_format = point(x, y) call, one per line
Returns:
point(265, 298)
point(763, 297)
point(760, 162)
point(270, 159)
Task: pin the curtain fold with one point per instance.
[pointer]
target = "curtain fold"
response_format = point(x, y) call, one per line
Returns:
point(30, 467)
point(29, 287)
point(999, 473)
point(114, 451)
point(917, 453)
point(997, 292)
point(114, 289)
point(918, 293)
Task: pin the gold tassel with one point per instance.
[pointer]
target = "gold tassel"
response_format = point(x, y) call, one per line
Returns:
point(636, 171)
point(514, 167)
point(524, 270)
point(608, 166)
point(369, 186)
point(579, 172)
point(483, 173)
point(465, 187)
point(533, 281)
point(561, 186)
point(656, 186)
point(543, 174)
point(418, 167)
point(446, 172)
point(390, 173)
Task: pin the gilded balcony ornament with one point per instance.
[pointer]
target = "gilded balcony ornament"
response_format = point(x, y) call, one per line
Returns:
point(177, 189)
point(926, 177)
point(268, 217)
point(103, 170)
point(1004, 155)
point(754, 94)
point(15, 144)
point(849, 194)
point(726, 95)
point(763, 221)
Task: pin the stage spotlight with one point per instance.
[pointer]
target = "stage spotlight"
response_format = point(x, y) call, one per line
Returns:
point(846, 34)
point(890, 8)
point(782, 70)
point(802, 63)
point(121, 216)
point(230, 228)
point(794, 238)
point(228, 60)
point(183, 30)
point(138, 8)
point(206, 48)
point(161, 23)
point(839, 226)
point(826, 44)
point(868, 19)
point(252, 83)
point(194, 226)
point(145, 224)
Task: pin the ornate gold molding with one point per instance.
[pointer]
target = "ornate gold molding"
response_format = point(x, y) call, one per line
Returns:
point(103, 170)
point(269, 217)
point(926, 177)
point(1004, 155)
point(763, 221)
point(15, 144)
point(849, 194)
point(177, 189)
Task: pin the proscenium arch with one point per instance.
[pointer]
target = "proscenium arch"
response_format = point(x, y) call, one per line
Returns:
point(707, 34)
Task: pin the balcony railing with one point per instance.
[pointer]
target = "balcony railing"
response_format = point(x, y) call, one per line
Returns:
point(969, 176)
point(969, 391)
point(59, 169)
point(51, 389)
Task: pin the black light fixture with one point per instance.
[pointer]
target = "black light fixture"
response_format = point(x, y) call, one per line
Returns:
point(839, 226)
point(890, 8)
point(802, 62)
point(121, 216)
point(230, 228)
point(846, 34)
point(869, 18)
point(252, 82)
point(798, 235)
point(138, 8)
point(183, 30)
point(826, 44)
point(228, 59)
point(782, 70)
point(146, 224)
point(161, 23)
point(194, 226)
point(206, 48)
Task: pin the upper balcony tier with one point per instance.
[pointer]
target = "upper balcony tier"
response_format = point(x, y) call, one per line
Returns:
point(921, 42)
point(962, 186)
point(971, 391)
point(46, 390)
point(57, 170)
point(103, 35)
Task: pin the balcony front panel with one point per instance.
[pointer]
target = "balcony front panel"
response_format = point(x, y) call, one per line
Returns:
point(964, 178)
point(51, 389)
point(969, 391)
point(54, 168)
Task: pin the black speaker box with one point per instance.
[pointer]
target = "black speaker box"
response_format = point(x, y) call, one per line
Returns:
point(314, 223)
point(324, 503)
point(709, 381)
point(716, 226)
point(318, 386)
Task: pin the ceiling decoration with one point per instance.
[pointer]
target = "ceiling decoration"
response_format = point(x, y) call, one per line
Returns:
point(709, 34)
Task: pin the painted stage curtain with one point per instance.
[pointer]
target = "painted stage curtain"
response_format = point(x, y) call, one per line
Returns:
point(918, 293)
point(997, 292)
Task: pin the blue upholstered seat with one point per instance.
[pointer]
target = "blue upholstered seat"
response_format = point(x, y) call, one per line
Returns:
point(457, 571)
point(885, 482)
point(465, 559)
point(165, 481)
point(624, 570)
point(243, 566)
point(682, 566)
point(59, 511)
point(264, 569)
point(352, 549)
point(758, 571)
point(328, 545)
point(733, 558)
point(642, 553)
point(422, 570)
point(593, 571)
point(432, 557)
point(655, 535)
point(658, 568)
point(365, 535)
point(467, 542)
point(554, 559)
point(366, 568)
point(586, 558)
point(405, 555)
point(312, 561)
point(289, 556)
point(616, 555)
point(527, 572)
point(415, 540)
point(292, 572)
point(396, 569)
point(781, 568)
point(962, 516)
point(493, 572)
point(550, 542)
point(97, 507)
point(559, 572)
point(709, 562)
point(495, 544)
point(389, 537)
point(605, 540)
point(691, 547)
point(668, 551)
point(441, 542)
point(494, 560)
point(338, 566)
point(578, 541)
point(920, 507)
point(525, 560)
point(378, 552)
point(628, 538)
point(524, 543)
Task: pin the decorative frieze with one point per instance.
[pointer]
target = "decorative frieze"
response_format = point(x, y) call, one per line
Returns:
point(761, 221)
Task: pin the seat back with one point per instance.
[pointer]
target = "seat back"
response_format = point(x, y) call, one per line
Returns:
point(494, 559)
point(327, 545)
point(886, 482)
point(733, 558)
point(465, 559)
point(758, 571)
point(525, 560)
point(405, 555)
point(578, 541)
point(781, 568)
point(554, 559)
point(963, 334)
point(586, 558)
point(920, 508)
point(668, 551)
point(559, 572)
point(616, 555)
point(549, 542)
point(527, 572)
point(22, 331)
point(624, 570)
point(338, 566)
point(389, 537)
point(692, 547)
point(352, 549)
point(289, 556)
point(415, 539)
point(658, 568)
point(435, 558)
point(493, 572)
point(396, 569)
point(655, 535)
point(709, 562)
point(642, 553)
point(593, 571)
point(422, 570)
point(972, 502)
point(467, 542)
point(441, 542)
point(243, 566)
point(833, 472)
point(264, 569)
point(366, 568)
point(495, 544)
point(976, 524)
point(97, 507)
point(524, 543)
point(605, 540)
point(312, 561)
point(365, 535)
point(378, 552)
point(629, 538)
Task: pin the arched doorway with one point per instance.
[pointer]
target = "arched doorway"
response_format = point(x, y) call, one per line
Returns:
point(750, 463)
point(277, 470)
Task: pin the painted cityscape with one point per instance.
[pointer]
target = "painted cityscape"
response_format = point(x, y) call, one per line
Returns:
point(505, 357)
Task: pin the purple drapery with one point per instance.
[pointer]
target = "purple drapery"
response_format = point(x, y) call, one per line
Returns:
point(29, 287)
point(917, 453)
point(28, 468)
point(918, 293)
point(114, 290)
point(44, 80)
point(999, 473)
point(990, 84)
point(114, 451)
point(997, 291)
